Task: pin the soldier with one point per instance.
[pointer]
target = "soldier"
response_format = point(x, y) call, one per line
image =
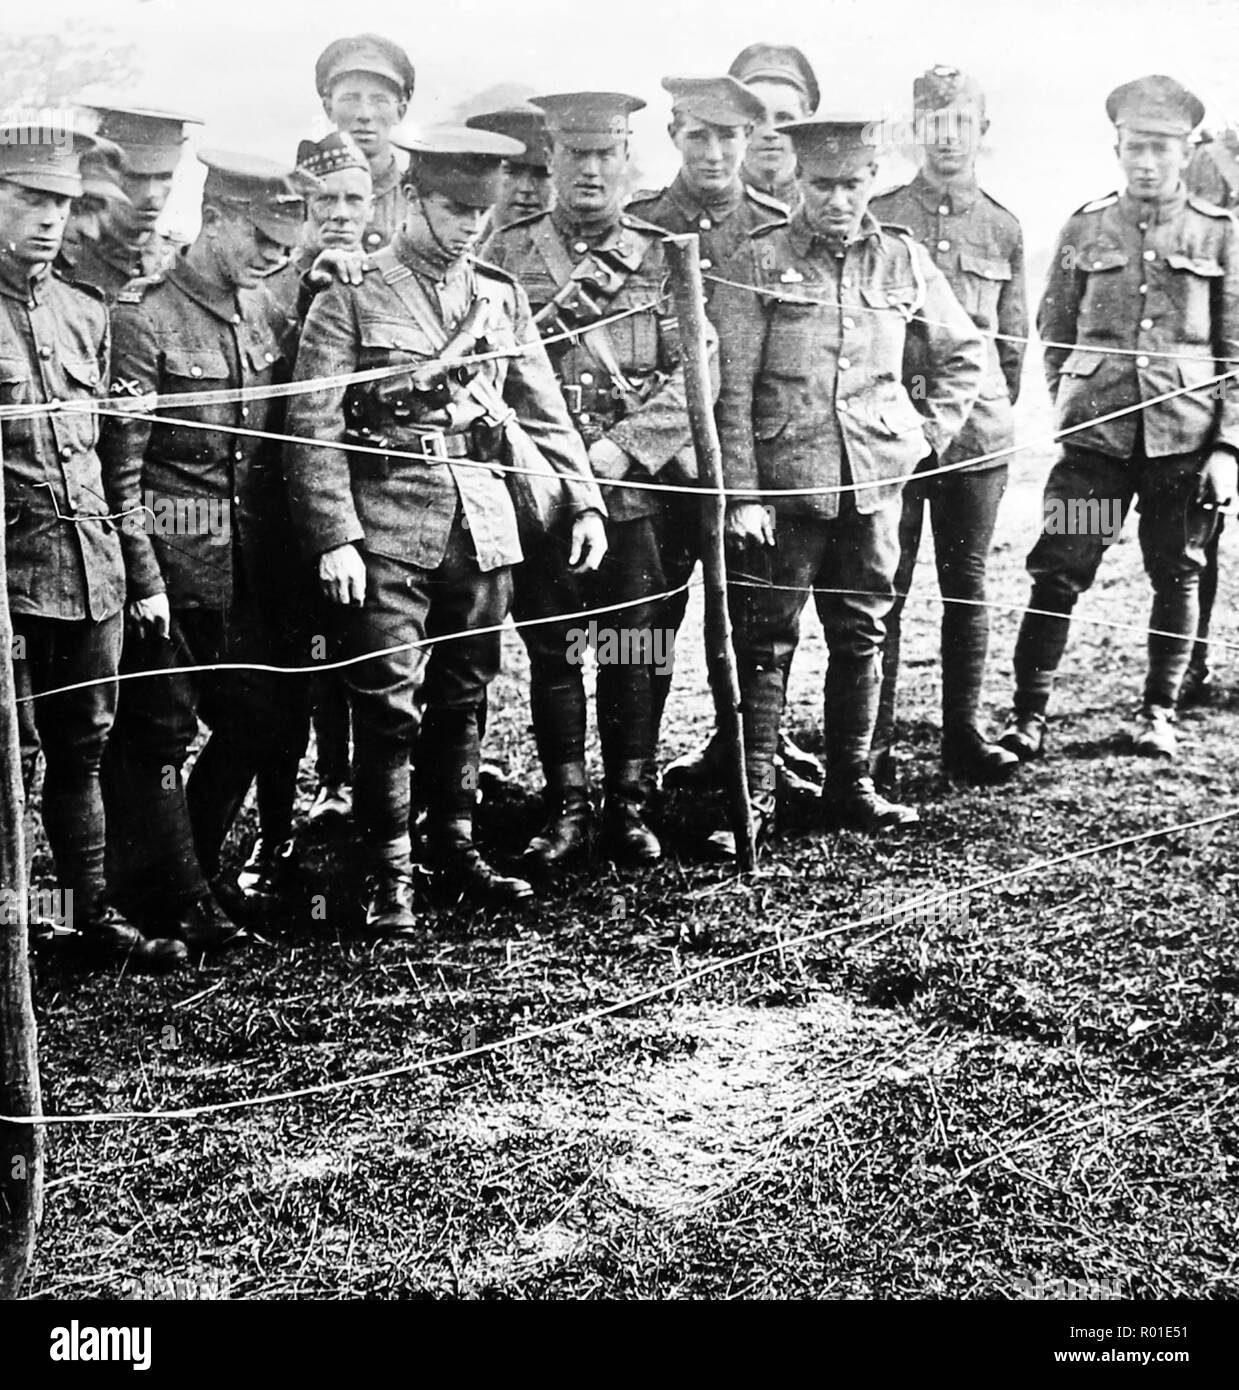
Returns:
point(978, 246)
point(1145, 284)
point(583, 261)
point(103, 165)
point(365, 82)
point(527, 177)
point(413, 547)
point(1212, 175)
point(711, 122)
point(130, 245)
point(66, 579)
point(207, 582)
point(781, 78)
point(812, 398)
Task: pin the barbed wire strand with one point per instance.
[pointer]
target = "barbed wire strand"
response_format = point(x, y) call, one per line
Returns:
point(630, 1001)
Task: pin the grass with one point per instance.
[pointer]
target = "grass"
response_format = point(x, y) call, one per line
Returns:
point(1036, 1085)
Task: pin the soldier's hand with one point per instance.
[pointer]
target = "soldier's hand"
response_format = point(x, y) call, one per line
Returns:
point(589, 543)
point(1218, 481)
point(152, 615)
point(749, 523)
point(336, 264)
point(342, 574)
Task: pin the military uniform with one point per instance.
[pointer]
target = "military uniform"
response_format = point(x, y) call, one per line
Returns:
point(978, 246)
point(113, 262)
point(202, 526)
point(66, 581)
point(624, 385)
point(812, 398)
point(1142, 299)
point(1212, 175)
point(437, 532)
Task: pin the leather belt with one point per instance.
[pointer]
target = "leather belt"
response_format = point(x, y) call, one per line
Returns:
point(441, 445)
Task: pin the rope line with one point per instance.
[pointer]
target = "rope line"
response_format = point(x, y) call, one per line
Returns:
point(629, 1001)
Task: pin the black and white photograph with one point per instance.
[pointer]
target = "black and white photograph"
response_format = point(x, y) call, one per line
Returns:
point(619, 671)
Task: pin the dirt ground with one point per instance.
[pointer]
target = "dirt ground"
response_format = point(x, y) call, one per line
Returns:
point(1030, 1082)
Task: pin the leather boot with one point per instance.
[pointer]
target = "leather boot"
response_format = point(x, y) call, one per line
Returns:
point(625, 835)
point(565, 836)
point(969, 757)
point(449, 766)
point(850, 710)
point(215, 792)
point(109, 938)
point(389, 889)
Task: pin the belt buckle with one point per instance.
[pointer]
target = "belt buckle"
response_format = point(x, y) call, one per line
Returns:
point(573, 397)
point(434, 444)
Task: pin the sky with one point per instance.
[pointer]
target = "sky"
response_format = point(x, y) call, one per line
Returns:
point(246, 67)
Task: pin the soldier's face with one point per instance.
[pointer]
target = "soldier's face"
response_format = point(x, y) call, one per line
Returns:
point(437, 224)
point(710, 155)
point(589, 180)
point(1152, 164)
point(340, 208)
point(84, 224)
point(368, 108)
point(833, 206)
point(32, 223)
point(243, 253)
point(769, 152)
point(951, 140)
point(525, 191)
point(148, 196)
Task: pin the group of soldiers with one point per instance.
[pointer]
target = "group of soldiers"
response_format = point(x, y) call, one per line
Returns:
point(486, 415)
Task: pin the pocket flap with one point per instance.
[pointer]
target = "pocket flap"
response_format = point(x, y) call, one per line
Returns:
point(13, 370)
point(1198, 265)
point(888, 296)
point(986, 267)
point(197, 363)
point(83, 373)
point(1082, 362)
point(395, 335)
point(1102, 258)
point(262, 356)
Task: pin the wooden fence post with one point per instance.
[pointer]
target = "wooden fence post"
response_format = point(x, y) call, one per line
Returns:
point(685, 258)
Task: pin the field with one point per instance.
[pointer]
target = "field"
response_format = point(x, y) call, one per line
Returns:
point(1003, 1089)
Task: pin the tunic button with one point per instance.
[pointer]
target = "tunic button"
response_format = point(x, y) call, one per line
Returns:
point(1150, 255)
point(580, 247)
point(237, 500)
point(705, 224)
point(1144, 289)
point(587, 378)
point(1143, 226)
point(1146, 323)
point(66, 453)
point(1142, 361)
point(45, 353)
point(706, 265)
point(195, 371)
point(269, 356)
point(236, 318)
point(944, 211)
point(238, 455)
point(464, 522)
point(844, 364)
point(849, 323)
point(944, 246)
point(584, 417)
point(1096, 265)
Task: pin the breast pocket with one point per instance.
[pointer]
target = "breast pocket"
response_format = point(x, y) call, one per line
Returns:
point(1190, 286)
point(792, 340)
point(394, 338)
point(194, 367)
point(1105, 301)
point(982, 280)
point(16, 388)
point(78, 426)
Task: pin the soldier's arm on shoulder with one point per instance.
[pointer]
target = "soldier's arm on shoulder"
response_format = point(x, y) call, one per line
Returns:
point(1226, 337)
point(1058, 314)
point(318, 473)
point(532, 390)
point(955, 358)
point(1013, 317)
point(136, 365)
point(740, 318)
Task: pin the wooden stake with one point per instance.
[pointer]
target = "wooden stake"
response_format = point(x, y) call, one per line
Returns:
point(21, 1146)
point(684, 255)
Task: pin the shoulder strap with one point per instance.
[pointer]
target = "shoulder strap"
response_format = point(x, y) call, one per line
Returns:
point(595, 338)
point(410, 293)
